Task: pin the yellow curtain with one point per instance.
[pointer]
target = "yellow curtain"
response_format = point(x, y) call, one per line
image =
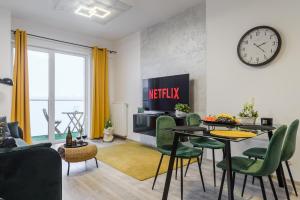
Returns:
point(100, 99)
point(20, 97)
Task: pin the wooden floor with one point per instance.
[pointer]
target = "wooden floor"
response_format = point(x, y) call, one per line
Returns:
point(105, 183)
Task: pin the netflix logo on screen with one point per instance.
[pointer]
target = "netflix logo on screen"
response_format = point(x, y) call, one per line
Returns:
point(164, 93)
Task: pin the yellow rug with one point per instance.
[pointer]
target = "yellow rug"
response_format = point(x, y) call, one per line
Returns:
point(134, 159)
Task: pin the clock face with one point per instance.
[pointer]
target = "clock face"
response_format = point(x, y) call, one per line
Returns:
point(259, 46)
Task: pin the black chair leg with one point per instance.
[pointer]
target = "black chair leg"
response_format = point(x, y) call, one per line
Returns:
point(200, 171)
point(96, 162)
point(262, 188)
point(273, 188)
point(284, 182)
point(157, 171)
point(187, 167)
point(233, 181)
point(222, 184)
point(253, 179)
point(291, 177)
point(176, 168)
point(68, 169)
point(214, 166)
point(244, 185)
point(201, 156)
point(181, 177)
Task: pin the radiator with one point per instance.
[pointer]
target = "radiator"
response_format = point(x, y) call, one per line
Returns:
point(119, 119)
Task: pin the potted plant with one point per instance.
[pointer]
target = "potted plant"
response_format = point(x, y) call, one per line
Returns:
point(108, 131)
point(248, 114)
point(181, 110)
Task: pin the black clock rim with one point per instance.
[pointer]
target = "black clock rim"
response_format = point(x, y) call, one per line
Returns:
point(270, 59)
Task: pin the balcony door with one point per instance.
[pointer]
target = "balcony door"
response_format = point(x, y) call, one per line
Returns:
point(57, 82)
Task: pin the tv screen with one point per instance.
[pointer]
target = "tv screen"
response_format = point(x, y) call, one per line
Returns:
point(162, 94)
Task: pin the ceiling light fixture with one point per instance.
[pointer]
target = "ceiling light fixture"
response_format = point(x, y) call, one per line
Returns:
point(89, 12)
point(84, 11)
point(100, 12)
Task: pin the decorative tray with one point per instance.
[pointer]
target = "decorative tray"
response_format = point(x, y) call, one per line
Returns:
point(77, 145)
point(219, 123)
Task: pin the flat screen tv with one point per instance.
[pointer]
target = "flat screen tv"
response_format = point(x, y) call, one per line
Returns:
point(162, 94)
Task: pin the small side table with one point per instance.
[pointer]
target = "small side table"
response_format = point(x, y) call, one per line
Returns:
point(78, 154)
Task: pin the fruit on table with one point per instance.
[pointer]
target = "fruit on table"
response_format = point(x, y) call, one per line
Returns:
point(222, 118)
point(210, 118)
point(225, 118)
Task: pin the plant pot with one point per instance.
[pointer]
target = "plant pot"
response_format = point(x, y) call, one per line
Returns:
point(108, 135)
point(179, 113)
point(247, 120)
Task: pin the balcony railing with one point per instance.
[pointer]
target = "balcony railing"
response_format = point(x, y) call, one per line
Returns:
point(39, 122)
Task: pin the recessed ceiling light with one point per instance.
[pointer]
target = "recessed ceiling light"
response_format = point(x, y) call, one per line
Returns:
point(100, 12)
point(84, 11)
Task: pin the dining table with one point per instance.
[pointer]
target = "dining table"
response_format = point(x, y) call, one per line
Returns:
point(201, 131)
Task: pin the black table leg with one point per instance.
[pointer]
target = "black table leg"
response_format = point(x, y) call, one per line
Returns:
point(170, 167)
point(229, 170)
point(278, 171)
point(68, 169)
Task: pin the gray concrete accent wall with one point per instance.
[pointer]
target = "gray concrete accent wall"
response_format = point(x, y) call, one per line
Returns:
point(178, 46)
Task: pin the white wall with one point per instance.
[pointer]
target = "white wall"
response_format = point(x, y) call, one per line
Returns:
point(230, 83)
point(128, 81)
point(5, 61)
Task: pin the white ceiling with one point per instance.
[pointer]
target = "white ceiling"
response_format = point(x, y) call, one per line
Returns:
point(143, 13)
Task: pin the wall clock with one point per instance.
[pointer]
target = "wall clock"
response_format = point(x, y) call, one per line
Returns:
point(259, 46)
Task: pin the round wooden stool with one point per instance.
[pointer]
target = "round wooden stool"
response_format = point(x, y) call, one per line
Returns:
point(78, 154)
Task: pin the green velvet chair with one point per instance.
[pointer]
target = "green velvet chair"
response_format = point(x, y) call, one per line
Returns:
point(288, 151)
point(164, 143)
point(259, 168)
point(194, 119)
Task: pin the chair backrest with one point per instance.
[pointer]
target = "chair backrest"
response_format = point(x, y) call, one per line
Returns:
point(164, 137)
point(46, 114)
point(289, 145)
point(193, 119)
point(274, 151)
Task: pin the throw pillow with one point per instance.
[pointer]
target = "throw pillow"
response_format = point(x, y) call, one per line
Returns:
point(8, 142)
point(14, 130)
point(4, 126)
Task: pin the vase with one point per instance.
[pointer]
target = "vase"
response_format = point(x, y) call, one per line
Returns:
point(180, 114)
point(108, 134)
point(247, 120)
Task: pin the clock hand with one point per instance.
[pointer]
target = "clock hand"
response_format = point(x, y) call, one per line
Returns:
point(262, 44)
point(259, 47)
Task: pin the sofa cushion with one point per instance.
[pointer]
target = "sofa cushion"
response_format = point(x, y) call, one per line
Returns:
point(21, 145)
point(20, 142)
point(4, 125)
point(14, 129)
